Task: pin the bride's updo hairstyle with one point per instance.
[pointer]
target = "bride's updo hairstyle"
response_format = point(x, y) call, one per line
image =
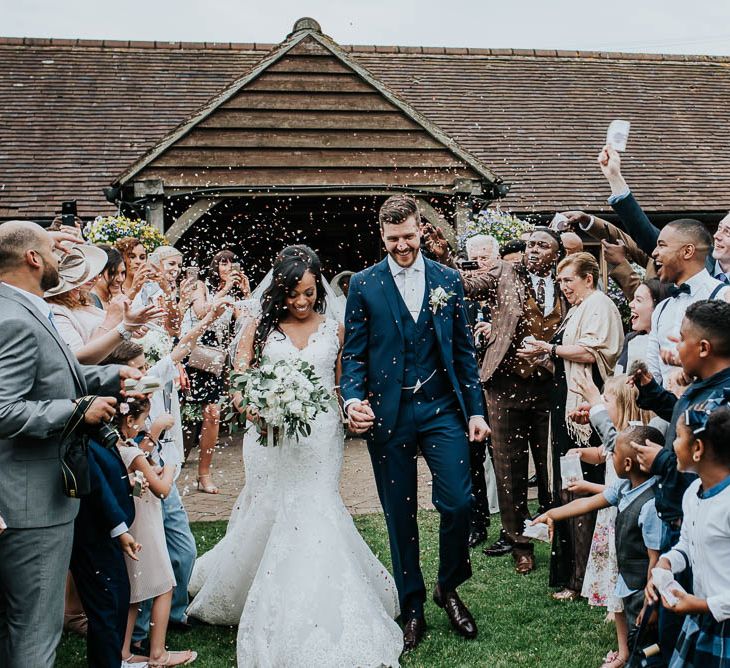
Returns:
point(289, 267)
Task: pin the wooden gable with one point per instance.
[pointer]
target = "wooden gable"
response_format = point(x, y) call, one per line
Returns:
point(308, 119)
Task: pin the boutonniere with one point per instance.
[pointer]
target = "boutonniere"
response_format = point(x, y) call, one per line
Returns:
point(437, 299)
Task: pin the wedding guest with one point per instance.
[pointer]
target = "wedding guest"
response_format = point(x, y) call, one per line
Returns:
point(169, 450)
point(680, 254)
point(572, 243)
point(588, 343)
point(513, 250)
point(110, 280)
point(39, 381)
point(703, 447)
point(101, 540)
point(161, 286)
point(483, 249)
point(704, 352)
point(619, 249)
point(150, 575)
point(721, 251)
point(90, 332)
point(524, 301)
point(638, 528)
point(609, 413)
point(137, 271)
point(622, 201)
point(646, 296)
point(206, 387)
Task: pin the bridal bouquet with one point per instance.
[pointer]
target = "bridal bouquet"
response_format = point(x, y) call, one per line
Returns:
point(287, 395)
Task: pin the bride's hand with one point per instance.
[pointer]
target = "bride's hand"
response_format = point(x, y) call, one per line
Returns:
point(252, 415)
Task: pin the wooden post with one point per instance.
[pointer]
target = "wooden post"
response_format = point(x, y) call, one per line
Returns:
point(155, 213)
point(463, 213)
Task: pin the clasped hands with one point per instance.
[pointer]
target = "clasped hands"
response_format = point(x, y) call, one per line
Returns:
point(360, 418)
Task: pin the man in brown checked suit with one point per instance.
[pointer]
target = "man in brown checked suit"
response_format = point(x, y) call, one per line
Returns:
point(524, 301)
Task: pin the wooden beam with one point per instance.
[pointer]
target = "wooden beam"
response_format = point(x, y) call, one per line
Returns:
point(309, 102)
point(375, 139)
point(309, 177)
point(189, 217)
point(437, 220)
point(186, 158)
point(155, 213)
point(309, 120)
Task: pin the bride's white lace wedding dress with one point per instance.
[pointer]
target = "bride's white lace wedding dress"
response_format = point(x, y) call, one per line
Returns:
point(292, 571)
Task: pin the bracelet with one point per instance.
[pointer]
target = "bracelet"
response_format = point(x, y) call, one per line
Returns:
point(554, 351)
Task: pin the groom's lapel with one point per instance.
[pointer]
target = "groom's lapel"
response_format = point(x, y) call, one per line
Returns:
point(391, 293)
point(432, 281)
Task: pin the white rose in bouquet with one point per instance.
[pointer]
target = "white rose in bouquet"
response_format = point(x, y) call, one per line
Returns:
point(287, 395)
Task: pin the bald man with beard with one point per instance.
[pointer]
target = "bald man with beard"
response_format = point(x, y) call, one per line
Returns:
point(40, 379)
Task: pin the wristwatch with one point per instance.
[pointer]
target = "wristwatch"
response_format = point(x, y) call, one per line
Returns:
point(123, 332)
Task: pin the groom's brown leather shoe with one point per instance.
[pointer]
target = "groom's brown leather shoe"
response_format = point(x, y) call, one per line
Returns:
point(456, 611)
point(413, 631)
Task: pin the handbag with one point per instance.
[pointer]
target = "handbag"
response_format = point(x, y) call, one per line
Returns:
point(73, 453)
point(208, 358)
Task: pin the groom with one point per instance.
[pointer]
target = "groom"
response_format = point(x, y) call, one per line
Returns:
point(410, 380)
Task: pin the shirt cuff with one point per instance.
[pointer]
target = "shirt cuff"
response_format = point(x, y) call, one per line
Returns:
point(349, 403)
point(595, 410)
point(473, 416)
point(676, 560)
point(119, 530)
point(719, 606)
point(588, 226)
point(613, 199)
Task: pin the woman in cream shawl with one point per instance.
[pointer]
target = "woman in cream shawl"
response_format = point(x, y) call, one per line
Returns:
point(587, 344)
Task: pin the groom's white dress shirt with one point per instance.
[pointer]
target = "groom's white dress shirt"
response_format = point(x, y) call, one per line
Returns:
point(411, 283)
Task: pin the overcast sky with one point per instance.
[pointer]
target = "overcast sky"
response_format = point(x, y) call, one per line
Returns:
point(659, 26)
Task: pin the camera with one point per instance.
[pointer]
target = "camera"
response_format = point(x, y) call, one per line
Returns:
point(104, 434)
point(69, 213)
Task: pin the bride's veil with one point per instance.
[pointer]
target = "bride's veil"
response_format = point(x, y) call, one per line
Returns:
point(250, 308)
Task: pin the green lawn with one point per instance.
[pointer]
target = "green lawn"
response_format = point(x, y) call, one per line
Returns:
point(519, 624)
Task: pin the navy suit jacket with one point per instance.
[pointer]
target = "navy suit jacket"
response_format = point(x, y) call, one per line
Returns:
point(110, 502)
point(372, 358)
point(643, 231)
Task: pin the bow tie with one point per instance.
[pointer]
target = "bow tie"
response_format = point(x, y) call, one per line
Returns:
point(678, 290)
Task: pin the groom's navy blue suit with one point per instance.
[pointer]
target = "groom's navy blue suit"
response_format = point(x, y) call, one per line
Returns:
point(386, 351)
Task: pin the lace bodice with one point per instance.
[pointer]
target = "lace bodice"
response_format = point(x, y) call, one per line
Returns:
point(321, 350)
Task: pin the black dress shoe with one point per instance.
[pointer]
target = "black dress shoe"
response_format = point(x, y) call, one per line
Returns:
point(456, 611)
point(477, 537)
point(499, 548)
point(413, 631)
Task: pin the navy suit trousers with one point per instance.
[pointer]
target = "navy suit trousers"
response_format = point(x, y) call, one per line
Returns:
point(101, 577)
point(437, 429)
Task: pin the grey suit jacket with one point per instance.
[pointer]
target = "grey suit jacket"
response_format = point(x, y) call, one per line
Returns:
point(39, 377)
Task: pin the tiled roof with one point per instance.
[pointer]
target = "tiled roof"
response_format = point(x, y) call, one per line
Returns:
point(76, 113)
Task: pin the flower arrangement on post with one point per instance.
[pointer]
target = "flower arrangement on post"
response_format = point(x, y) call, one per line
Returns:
point(501, 225)
point(107, 229)
point(287, 395)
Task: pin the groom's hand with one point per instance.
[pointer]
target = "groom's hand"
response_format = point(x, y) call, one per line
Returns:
point(360, 417)
point(478, 429)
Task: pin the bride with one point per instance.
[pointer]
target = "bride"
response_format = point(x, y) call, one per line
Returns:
point(292, 571)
